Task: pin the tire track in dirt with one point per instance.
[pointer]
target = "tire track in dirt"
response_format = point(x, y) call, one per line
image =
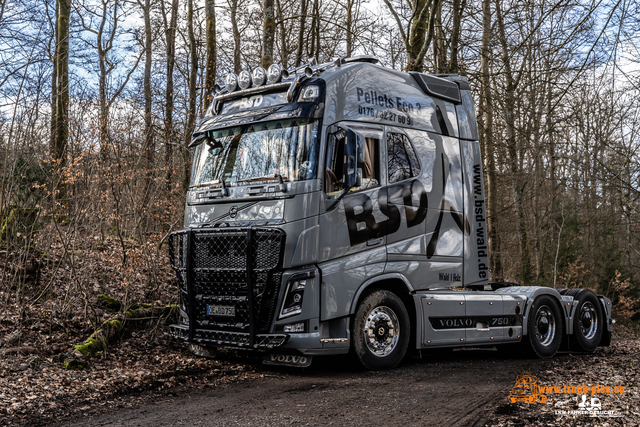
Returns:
point(460, 388)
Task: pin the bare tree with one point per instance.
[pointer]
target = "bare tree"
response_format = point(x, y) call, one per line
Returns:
point(59, 149)
point(486, 106)
point(170, 40)
point(417, 30)
point(191, 112)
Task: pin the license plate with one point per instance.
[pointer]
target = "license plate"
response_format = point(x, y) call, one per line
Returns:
point(221, 310)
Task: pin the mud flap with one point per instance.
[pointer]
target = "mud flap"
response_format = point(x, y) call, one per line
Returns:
point(287, 360)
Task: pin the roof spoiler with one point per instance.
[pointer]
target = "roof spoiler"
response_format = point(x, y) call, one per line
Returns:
point(437, 86)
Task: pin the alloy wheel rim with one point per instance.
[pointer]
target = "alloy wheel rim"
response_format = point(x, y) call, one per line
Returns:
point(545, 326)
point(381, 331)
point(588, 320)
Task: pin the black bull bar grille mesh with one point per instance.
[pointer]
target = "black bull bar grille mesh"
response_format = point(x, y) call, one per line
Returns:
point(236, 268)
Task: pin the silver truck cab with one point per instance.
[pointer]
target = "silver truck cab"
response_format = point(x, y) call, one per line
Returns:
point(340, 208)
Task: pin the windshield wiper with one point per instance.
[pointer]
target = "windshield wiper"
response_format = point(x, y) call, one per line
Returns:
point(283, 188)
point(225, 190)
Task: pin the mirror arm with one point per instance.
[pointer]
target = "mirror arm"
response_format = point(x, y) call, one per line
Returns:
point(338, 198)
point(225, 191)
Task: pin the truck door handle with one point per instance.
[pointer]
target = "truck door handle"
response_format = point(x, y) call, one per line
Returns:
point(374, 242)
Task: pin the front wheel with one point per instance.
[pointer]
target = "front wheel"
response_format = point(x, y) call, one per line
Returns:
point(381, 331)
point(545, 327)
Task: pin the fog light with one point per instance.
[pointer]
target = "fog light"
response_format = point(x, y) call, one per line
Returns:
point(294, 327)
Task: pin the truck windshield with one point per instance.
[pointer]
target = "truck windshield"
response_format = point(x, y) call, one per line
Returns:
point(289, 148)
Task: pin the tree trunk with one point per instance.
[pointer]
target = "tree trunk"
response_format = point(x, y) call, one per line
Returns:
point(212, 54)
point(349, 25)
point(439, 51)
point(54, 84)
point(420, 33)
point(62, 107)
point(149, 145)
point(458, 9)
point(170, 31)
point(495, 259)
point(303, 16)
point(191, 114)
point(269, 34)
point(316, 30)
point(284, 46)
point(237, 66)
point(512, 150)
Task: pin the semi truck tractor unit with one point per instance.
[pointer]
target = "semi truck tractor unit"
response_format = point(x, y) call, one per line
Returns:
point(339, 208)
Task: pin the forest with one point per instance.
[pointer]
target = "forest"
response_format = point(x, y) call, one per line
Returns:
point(98, 100)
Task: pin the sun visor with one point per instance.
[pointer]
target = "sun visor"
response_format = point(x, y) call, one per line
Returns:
point(435, 86)
point(279, 112)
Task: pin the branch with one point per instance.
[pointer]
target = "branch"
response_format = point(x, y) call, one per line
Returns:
point(397, 18)
point(427, 41)
point(115, 95)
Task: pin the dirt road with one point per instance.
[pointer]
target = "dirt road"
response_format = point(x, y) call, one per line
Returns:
point(459, 388)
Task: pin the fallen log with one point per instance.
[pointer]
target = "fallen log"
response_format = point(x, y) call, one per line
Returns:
point(99, 340)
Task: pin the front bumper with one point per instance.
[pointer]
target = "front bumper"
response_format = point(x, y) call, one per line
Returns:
point(229, 339)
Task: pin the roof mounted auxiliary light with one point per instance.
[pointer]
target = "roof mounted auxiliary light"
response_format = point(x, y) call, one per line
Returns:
point(260, 79)
point(244, 80)
point(259, 76)
point(276, 73)
point(231, 82)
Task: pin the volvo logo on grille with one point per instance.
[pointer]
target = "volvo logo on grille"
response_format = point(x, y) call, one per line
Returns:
point(233, 212)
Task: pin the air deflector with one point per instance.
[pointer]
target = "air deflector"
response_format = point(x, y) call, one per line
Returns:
point(435, 86)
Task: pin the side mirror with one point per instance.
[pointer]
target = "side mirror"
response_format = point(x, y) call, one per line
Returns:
point(351, 173)
point(353, 155)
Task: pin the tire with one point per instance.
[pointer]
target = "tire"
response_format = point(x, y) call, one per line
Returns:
point(588, 321)
point(545, 326)
point(381, 331)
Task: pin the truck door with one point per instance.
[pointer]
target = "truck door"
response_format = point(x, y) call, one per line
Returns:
point(406, 192)
point(352, 228)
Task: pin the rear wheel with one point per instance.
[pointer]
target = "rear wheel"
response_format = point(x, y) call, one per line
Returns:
point(381, 331)
point(545, 327)
point(588, 322)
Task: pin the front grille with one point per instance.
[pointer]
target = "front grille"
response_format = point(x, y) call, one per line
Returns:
point(217, 267)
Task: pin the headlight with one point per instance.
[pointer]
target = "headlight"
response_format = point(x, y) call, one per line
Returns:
point(309, 93)
point(292, 304)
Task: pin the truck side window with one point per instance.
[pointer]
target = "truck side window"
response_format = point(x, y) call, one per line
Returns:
point(335, 160)
point(403, 162)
